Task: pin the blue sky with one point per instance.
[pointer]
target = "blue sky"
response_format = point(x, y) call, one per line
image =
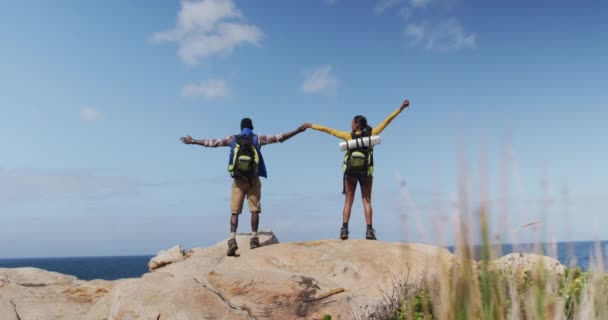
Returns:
point(96, 95)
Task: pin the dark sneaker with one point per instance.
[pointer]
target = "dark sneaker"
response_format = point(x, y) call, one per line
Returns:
point(254, 243)
point(344, 233)
point(232, 247)
point(370, 234)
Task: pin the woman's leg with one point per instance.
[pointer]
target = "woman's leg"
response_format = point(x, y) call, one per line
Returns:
point(366, 196)
point(350, 186)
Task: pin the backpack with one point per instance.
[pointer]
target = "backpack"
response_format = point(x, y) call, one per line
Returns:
point(359, 161)
point(245, 159)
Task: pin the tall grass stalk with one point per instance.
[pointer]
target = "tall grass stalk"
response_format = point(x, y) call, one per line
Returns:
point(477, 283)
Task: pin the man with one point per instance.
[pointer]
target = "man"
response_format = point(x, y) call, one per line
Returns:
point(246, 165)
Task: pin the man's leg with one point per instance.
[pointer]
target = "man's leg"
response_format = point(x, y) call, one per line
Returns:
point(255, 222)
point(254, 242)
point(237, 197)
point(234, 224)
point(254, 195)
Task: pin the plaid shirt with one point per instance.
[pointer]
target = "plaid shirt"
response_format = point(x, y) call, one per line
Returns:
point(226, 142)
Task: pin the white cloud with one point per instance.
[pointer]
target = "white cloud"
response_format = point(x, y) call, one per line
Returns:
point(319, 80)
point(420, 3)
point(432, 33)
point(213, 88)
point(209, 27)
point(416, 32)
point(383, 5)
point(89, 114)
point(444, 36)
point(450, 35)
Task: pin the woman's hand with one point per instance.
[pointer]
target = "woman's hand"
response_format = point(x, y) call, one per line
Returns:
point(405, 104)
point(305, 126)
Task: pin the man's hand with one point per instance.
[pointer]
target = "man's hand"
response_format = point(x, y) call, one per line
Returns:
point(405, 104)
point(187, 139)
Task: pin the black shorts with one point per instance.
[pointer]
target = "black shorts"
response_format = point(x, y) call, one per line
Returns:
point(354, 179)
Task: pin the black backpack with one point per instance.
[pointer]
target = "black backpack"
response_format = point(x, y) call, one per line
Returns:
point(245, 159)
point(359, 161)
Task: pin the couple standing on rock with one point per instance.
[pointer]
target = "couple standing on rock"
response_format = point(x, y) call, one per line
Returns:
point(246, 166)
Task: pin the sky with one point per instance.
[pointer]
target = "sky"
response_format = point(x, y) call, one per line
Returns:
point(507, 108)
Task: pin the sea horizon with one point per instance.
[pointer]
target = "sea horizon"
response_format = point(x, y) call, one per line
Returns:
point(450, 247)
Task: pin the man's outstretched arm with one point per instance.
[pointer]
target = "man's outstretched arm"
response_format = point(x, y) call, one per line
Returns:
point(212, 143)
point(282, 137)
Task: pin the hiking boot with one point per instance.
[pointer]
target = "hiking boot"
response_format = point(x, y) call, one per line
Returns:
point(232, 247)
point(254, 243)
point(344, 233)
point(370, 234)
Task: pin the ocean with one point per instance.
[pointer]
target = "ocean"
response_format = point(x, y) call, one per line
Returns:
point(87, 268)
point(579, 252)
point(112, 268)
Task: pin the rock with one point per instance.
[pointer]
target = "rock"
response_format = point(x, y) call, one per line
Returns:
point(32, 277)
point(166, 257)
point(298, 280)
point(528, 262)
point(7, 310)
point(219, 249)
point(163, 297)
point(32, 294)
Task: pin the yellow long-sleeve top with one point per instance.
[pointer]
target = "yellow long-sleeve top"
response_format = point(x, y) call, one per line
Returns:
point(345, 135)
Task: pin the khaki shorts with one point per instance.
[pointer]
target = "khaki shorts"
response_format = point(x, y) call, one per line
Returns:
point(242, 188)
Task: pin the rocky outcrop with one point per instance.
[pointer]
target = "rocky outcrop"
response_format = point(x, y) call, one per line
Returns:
point(7, 310)
point(32, 294)
point(299, 280)
point(166, 257)
point(529, 262)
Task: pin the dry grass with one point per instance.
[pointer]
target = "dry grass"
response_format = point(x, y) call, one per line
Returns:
point(479, 290)
point(472, 289)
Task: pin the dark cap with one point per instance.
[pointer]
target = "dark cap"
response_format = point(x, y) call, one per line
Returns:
point(246, 123)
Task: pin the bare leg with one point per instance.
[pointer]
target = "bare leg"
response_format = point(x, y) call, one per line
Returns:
point(255, 221)
point(366, 196)
point(232, 246)
point(350, 186)
point(254, 242)
point(234, 222)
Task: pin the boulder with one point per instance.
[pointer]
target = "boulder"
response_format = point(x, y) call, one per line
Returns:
point(35, 294)
point(298, 280)
point(242, 239)
point(33, 277)
point(7, 310)
point(166, 257)
point(528, 262)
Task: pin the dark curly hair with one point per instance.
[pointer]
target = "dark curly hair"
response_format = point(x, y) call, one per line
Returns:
point(361, 121)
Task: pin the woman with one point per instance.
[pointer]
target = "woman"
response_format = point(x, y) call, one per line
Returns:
point(358, 167)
